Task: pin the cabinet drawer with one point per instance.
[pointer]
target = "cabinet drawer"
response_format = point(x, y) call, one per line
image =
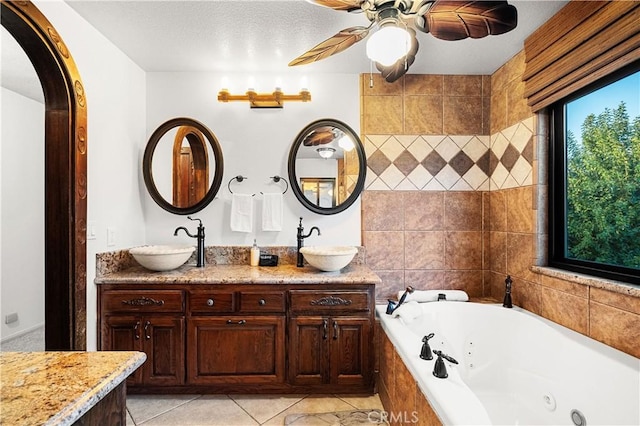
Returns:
point(142, 301)
point(211, 302)
point(329, 301)
point(262, 301)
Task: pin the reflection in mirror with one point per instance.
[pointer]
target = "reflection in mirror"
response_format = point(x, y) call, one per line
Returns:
point(183, 166)
point(327, 166)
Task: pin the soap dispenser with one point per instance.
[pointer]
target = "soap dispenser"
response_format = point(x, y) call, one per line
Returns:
point(255, 254)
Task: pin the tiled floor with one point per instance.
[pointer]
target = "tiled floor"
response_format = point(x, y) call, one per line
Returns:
point(240, 410)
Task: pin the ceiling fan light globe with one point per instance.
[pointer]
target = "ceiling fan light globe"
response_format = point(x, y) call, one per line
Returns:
point(388, 44)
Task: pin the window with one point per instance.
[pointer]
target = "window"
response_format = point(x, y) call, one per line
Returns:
point(594, 179)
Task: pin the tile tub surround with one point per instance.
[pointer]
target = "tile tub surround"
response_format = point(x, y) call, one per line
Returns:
point(58, 388)
point(449, 231)
point(110, 262)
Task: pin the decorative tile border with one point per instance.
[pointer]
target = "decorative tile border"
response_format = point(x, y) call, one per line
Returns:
point(451, 162)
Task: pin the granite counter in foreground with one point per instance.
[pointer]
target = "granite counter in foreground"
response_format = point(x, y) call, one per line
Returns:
point(59, 388)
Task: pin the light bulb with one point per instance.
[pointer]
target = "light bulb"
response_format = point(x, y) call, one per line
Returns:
point(345, 143)
point(388, 44)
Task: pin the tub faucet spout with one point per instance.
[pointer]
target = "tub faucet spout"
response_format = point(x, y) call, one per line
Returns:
point(199, 236)
point(507, 295)
point(301, 238)
point(392, 306)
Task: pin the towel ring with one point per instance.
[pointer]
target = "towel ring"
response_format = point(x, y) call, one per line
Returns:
point(277, 179)
point(239, 178)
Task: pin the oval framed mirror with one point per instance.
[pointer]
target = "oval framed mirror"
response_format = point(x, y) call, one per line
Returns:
point(327, 166)
point(182, 166)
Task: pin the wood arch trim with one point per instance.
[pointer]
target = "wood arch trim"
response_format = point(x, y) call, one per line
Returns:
point(190, 180)
point(65, 173)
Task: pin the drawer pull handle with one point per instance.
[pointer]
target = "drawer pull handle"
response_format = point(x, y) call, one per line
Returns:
point(146, 330)
point(330, 301)
point(335, 330)
point(135, 330)
point(143, 301)
point(241, 322)
point(262, 302)
point(210, 302)
point(325, 325)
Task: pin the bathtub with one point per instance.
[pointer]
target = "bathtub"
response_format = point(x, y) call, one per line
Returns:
point(515, 368)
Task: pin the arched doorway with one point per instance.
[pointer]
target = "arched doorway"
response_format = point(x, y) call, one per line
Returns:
point(65, 173)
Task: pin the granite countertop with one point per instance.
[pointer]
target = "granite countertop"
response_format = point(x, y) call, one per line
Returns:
point(57, 388)
point(242, 274)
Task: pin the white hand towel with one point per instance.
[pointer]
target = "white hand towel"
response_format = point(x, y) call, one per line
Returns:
point(272, 212)
point(241, 212)
point(432, 295)
point(408, 311)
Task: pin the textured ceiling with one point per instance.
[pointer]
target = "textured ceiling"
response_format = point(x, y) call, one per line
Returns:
point(252, 35)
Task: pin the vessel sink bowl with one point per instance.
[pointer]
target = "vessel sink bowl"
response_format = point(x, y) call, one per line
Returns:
point(328, 258)
point(162, 258)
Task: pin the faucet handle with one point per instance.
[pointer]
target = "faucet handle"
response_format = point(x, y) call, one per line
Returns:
point(194, 219)
point(440, 369)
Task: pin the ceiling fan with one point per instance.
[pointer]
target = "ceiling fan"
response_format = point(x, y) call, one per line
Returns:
point(393, 46)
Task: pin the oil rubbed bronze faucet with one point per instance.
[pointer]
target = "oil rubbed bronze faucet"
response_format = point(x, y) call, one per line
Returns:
point(301, 238)
point(200, 236)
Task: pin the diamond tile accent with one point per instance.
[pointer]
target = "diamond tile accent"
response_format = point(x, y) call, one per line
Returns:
point(406, 162)
point(498, 144)
point(392, 148)
point(475, 177)
point(527, 152)
point(475, 149)
point(483, 163)
point(419, 149)
point(378, 162)
point(447, 149)
point(509, 157)
point(419, 177)
point(377, 140)
point(447, 177)
point(461, 163)
point(392, 176)
point(406, 140)
point(434, 163)
point(521, 137)
point(521, 170)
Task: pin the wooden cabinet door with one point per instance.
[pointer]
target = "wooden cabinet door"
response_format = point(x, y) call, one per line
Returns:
point(351, 354)
point(231, 349)
point(308, 350)
point(164, 344)
point(123, 333)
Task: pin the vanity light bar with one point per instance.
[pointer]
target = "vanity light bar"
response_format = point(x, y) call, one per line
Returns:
point(265, 100)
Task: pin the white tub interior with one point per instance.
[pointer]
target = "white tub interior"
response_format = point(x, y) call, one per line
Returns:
point(515, 368)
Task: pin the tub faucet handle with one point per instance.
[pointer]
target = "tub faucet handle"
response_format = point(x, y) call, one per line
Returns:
point(440, 369)
point(425, 353)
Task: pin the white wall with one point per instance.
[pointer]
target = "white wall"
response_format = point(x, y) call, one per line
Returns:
point(22, 218)
point(115, 91)
point(255, 143)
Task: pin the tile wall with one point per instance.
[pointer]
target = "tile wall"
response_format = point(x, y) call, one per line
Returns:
point(452, 196)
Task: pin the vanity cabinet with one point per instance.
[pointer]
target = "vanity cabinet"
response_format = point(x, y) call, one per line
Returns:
point(243, 338)
point(152, 322)
point(236, 337)
point(331, 337)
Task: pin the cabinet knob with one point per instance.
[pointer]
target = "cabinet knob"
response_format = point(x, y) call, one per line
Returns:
point(210, 302)
point(262, 302)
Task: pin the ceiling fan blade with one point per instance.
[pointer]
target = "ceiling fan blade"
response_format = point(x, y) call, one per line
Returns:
point(457, 20)
point(320, 136)
point(348, 5)
point(336, 44)
point(400, 68)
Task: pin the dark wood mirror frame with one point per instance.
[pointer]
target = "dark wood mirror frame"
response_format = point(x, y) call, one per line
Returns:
point(65, 174)
point(295, 180)
point(148, 157)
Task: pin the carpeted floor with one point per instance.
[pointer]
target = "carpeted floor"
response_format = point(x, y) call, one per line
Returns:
point(340, 418)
